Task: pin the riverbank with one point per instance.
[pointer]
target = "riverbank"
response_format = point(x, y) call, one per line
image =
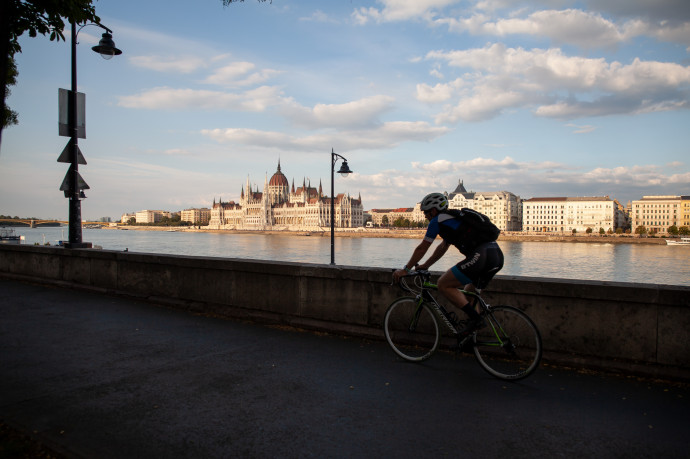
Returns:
point(414, 234)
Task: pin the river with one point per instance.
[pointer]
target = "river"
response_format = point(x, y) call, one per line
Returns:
point(644, 263)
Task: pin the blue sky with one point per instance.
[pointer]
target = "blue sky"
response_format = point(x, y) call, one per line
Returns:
point(539, 98)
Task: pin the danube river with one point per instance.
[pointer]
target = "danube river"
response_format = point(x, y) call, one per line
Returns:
point(645, 263)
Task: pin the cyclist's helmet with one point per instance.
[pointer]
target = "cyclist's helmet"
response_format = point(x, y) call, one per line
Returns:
point(436, 201)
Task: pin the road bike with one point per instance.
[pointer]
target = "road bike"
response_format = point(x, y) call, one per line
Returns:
point(508, 346)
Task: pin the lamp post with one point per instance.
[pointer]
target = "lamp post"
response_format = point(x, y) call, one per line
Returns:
point(75, 190)
point(344, 171)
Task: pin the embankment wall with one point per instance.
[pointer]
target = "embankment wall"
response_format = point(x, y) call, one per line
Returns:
point(635, 328)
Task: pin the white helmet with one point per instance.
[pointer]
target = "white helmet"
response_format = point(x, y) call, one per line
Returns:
point(436, 201)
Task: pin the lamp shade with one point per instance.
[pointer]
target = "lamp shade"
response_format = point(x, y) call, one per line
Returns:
point(344, 169)
point(106, 47)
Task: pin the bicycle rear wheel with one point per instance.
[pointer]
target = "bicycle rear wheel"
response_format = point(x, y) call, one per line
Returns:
point(411, 329)
point(509, 347)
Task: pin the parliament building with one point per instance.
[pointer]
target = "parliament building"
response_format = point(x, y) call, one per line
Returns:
point(281, 206)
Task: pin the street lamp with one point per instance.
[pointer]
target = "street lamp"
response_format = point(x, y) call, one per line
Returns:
point(344, 171)
point(74, 185)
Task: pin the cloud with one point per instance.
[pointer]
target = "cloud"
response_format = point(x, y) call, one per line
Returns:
point(401, 10)
point(239, 74)
point(186, 64)
point(358, 113)
point(584, 129)
point(553, 84)
point(387, 135)
point(319, 16)
point(255, 100)
point(543, 179)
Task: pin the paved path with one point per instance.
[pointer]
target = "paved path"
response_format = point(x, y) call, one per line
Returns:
point(104, 377)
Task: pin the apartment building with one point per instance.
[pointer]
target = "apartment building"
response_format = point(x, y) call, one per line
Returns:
point(658, 213)
point(502, 207)
point(196, 216)
point(151, 216)
point(563, 214)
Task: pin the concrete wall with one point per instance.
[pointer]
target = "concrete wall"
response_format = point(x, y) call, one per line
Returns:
point(638, 328)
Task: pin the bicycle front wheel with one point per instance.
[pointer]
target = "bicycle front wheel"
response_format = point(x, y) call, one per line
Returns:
point(411, 329)
point(509, 347)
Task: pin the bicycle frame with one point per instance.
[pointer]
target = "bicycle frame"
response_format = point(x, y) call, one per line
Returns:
point(424, 295)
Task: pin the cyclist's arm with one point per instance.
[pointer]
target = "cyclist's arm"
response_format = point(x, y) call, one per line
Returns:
point(417, 255)
point(440, 250)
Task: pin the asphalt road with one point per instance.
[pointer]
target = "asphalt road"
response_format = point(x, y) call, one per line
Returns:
point(105, 377)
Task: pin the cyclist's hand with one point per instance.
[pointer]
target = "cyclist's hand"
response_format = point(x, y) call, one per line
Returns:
point(397, 274)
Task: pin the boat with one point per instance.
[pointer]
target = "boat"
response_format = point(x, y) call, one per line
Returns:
point(8, 236)
point(682, 241)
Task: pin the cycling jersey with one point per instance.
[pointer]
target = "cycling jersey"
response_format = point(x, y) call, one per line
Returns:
point(481, 261)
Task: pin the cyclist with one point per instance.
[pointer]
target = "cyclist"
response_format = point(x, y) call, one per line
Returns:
point(482, 259)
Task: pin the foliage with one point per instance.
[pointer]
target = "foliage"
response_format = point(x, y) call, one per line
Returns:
point(684, 231)
point(384, 220)
point(672, 230)
point(641, 230)
point(36, 17)
point(588, 231)
point(9, 117)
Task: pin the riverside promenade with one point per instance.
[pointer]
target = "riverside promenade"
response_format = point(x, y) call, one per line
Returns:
point(98, 376)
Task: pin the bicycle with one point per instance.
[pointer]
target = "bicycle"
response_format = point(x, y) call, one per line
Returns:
point(508, 346)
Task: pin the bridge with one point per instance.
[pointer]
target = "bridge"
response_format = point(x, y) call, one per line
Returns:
point(30, 222)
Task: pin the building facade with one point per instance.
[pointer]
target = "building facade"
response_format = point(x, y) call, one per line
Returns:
point(281, 206)
point(502, 207)
point(567, 215)
point(387, 217)
point(151, 216)
point(196, 216)
point(658, 213)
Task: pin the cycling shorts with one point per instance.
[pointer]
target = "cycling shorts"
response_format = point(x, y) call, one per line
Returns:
point(479, 267)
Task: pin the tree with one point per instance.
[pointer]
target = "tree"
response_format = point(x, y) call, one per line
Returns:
point(684, 231)
point(641, 230)
point(36, 17)
point(9, 117)
point(384, 220)
point(588, 230)
point(672, 230)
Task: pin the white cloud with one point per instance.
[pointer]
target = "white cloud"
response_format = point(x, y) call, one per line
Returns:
point(255, 100)
point(554, 84)
point(360, 112)
point(187, 64)
point(401, 10)
point(386, 136)
point(239, 74)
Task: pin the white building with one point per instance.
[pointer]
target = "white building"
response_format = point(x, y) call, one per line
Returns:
point(151, 216)
point(280, 206)
point(196, 216)
point(657, 213)
point(502, 207)
point(563, 215)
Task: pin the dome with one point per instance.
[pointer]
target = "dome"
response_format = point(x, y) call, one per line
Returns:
point(279, 179)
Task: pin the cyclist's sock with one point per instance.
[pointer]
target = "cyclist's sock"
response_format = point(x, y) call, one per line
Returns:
point(470, 311)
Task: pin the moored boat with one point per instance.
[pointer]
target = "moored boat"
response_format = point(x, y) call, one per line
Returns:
point(682, 241)
point(8, 236)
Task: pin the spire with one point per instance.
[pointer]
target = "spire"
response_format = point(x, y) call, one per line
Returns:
point(278, 164)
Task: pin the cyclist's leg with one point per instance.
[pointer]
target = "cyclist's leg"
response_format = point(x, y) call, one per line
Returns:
point(448, 285)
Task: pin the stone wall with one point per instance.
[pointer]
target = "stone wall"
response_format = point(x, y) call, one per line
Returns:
point(638, 328)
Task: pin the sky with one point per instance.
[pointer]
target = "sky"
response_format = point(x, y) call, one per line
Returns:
point(540, 98)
